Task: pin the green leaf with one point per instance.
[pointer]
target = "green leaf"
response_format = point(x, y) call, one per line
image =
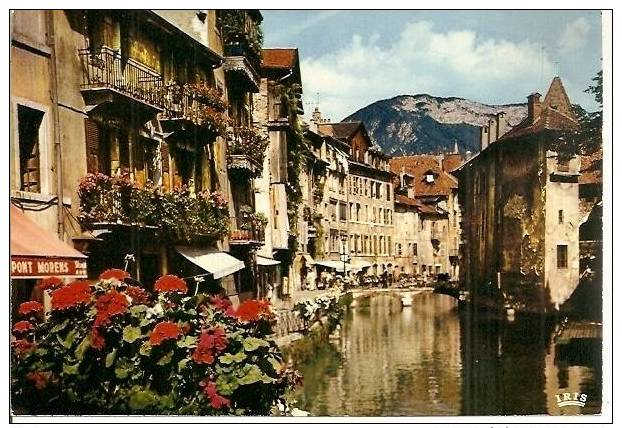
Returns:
point(226, 385)
point(165, 359)
point(40, 352)
point(70, 369)
point(121, 372)
point(145, 349)
point(253, 375)
point(59, 327)
point(110, 358)
point(252, 343)
point(182, 364)
point(138, 309)
point(140, 400)
point(68, 341)
point(131, 334)
point(82, 347)
point(232, 358)
point(187, 342)
point(276, 364)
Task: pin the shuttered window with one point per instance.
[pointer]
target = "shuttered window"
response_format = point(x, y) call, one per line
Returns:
point(93, 137)
point(29, 122)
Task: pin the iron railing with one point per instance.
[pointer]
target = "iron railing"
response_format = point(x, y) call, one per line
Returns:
point(247, 230)
point(107, 68)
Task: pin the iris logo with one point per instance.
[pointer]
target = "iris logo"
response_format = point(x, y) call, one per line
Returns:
point(568, 399)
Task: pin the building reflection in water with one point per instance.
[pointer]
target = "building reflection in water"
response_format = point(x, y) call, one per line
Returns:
point(430, 360)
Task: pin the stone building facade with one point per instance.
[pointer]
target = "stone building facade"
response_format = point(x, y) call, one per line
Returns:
point(520, 210)
point(427, 205)
point(142, 99)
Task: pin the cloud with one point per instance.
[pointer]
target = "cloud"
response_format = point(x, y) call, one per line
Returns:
point(422, 60)
point(574, 35)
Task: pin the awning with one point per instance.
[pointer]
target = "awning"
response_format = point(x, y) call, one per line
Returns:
point(36, 253)
point(333, 264)
point(360, 264)
point(309, 259)
point(217, 263)
point(266, 261)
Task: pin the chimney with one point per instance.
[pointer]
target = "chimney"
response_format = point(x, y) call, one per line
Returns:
point(483, 134)
point(533, 107)
point(501, 124)
point(492, 130)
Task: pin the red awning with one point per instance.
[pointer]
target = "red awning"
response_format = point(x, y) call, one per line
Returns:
point(36, 253)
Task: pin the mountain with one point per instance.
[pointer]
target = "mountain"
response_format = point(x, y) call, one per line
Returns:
point(414, 124)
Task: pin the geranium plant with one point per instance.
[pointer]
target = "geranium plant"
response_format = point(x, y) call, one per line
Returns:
point(248, 141)
point(113, 348)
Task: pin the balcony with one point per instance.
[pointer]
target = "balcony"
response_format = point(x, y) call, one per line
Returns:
point(112, 202)
point(114, 85)
point(250, 230)
point(193, 108)
point(240, 73)
point(246, 151)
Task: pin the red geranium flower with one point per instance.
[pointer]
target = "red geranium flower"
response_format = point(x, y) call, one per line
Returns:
point(97, 340)
point(118, 274)
point(220, 303)
point(22, 327)
point(252, 310)
point(22, 346)
point(170, 283)
point(110, 304)
point(210, 342)
point(40, 379)
point(138, 295)
point(216, 401)
point(71, 295)
point(30, 307)
point(50, 283)
point(164, 331)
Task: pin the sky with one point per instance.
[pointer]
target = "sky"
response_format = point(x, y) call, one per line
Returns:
point(350, 59)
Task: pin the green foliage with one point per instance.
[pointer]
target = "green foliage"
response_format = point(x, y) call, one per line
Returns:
point(249, 141)
point(180, 215)
point(587, 139)
point(90, 358)
point(238, 37)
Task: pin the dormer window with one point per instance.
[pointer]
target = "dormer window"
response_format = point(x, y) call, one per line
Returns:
point(429, 177)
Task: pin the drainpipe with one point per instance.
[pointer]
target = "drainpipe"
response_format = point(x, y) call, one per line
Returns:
point(57, 134)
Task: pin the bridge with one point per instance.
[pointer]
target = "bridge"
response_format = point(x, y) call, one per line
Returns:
point(405, 295)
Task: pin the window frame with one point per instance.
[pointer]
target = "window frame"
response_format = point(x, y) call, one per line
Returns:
point(45, 163)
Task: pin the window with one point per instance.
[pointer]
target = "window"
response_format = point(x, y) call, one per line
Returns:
point(342, 212)
point(414, 249)
point(562, 256)
point(398, 249)
point(29, 122)
point(560, 216)
point(388, 192)
point(563, 165)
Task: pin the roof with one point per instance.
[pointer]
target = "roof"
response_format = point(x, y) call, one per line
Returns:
point(556, 114)
point(592, 168)
point(285, 58)
point(340, 130)
point(28, 239)
point(452, 161)
point(418, 166)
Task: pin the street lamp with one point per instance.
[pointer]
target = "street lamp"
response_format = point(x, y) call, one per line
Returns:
point(344, 253)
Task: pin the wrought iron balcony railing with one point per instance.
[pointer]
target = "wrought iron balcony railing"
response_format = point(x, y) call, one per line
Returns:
point(107, 68)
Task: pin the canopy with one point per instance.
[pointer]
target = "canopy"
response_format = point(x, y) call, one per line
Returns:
point(333, 264)
point(267, 261)
point(360, 264)
point(219, 264)
point(36, 253)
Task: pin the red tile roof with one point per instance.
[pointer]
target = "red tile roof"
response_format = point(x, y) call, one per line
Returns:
point(549, 119)
point(418, 166)
point(592, 168)
point(279, 58)
point(421, 207)
point(340, 130)
point(452, 161)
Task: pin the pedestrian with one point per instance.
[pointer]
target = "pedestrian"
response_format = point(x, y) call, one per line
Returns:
point(269, 292)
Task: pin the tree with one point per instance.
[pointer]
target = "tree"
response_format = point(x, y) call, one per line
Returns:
point(588, 138)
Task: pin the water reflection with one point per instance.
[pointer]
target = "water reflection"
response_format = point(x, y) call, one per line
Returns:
point(430, 360)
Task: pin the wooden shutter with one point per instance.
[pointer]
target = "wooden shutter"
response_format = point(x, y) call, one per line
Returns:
point(92, 135)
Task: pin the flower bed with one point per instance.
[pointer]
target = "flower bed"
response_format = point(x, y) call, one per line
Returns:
point(179, 214)
point(113, 348)
point(313, 310)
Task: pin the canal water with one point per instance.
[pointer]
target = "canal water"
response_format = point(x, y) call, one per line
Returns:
point(431, 359)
